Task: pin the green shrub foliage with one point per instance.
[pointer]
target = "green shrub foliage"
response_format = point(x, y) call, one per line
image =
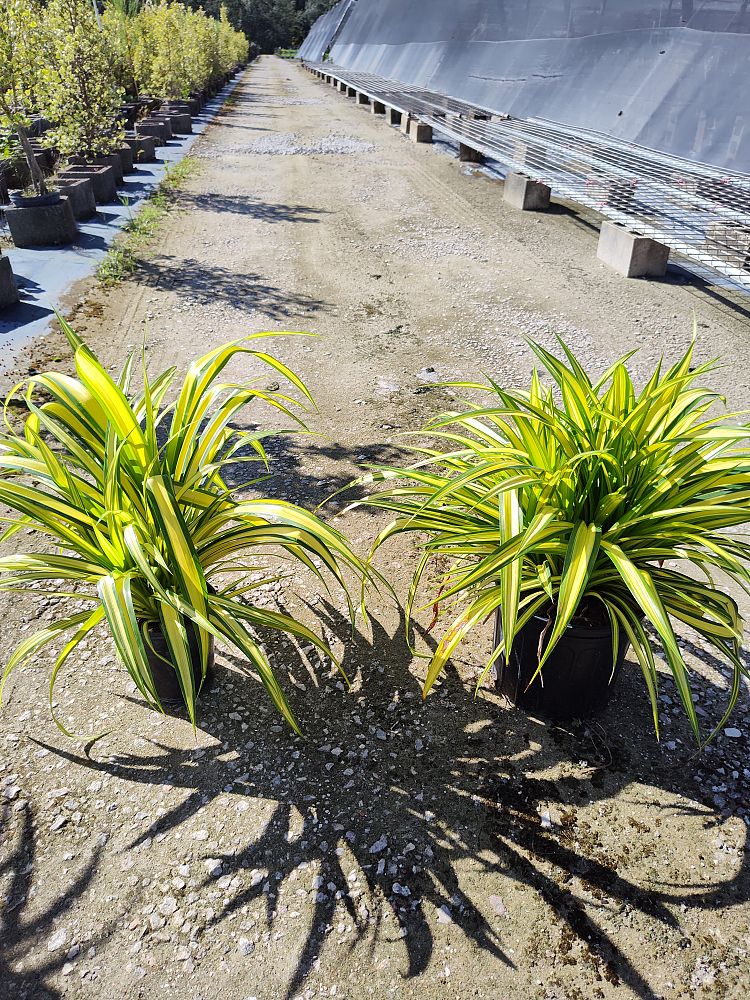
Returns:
point(77, 90)
point(20, 64)
point(74, 66)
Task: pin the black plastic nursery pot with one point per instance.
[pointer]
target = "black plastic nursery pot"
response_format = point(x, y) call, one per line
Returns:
point(164, 673)
point(576, 681)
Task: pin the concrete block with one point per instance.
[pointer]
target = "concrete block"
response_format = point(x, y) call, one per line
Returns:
point(362, 98)
point(143, 148)
point(630, 254)
point(376, 108)
point(525, 194)
point(112, 160)
point(618, 192)
point(8, 286)
point(419, 131)
point(126, 157)
point(393, 117)
point(164, 120)
point(102, 181)
point(182, 123)
point(153, 130)
point(44, 156)
point(730, 242)
point(80, 194)
point(42, 225)
point(467, 154)
point(405, 123)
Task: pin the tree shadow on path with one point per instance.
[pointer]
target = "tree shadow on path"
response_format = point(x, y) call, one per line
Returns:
point(21, 920)
point(197, 280)
point(255, 208)
point(395, 806)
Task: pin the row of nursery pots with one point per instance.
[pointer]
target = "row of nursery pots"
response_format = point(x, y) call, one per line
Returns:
point(84, 183)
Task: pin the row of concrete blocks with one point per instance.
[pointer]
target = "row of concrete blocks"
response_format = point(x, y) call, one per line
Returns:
point(625, 251)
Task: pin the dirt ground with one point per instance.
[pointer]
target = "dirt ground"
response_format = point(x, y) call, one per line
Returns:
point(451, 849)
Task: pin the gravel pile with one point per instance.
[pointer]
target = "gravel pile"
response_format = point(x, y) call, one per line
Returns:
point(289, 144)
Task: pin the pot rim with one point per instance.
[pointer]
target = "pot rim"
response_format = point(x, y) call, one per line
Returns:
point(19, 200)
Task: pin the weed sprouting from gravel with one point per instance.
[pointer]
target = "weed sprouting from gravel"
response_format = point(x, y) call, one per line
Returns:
point(122, 261)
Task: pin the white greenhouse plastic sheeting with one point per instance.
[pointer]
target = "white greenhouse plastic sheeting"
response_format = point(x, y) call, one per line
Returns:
point(323, 32)
point(670, 74)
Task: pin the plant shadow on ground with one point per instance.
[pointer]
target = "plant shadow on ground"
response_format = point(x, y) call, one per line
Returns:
point(242, 204)
point(457, 788)
point(22, 920)
point(293, 475)
point(208, 283)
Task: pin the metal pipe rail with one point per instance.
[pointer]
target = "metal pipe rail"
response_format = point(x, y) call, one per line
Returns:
point(700, 212)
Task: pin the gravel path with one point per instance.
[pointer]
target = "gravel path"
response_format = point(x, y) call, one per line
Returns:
point(456, 849)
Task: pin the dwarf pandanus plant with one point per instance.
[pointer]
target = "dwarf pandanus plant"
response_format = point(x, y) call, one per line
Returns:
point(550, 501)
point(131, 491)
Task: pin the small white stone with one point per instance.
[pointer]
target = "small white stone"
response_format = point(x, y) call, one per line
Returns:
point(732, 733)
point(200, 835)
point(245, 946)
point(168, 906)
point(380, 845)
point(58, 940)
point(213, 866)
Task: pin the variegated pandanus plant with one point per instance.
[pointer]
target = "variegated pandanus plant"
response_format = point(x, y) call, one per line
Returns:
point(129, 490)
point(579, 492)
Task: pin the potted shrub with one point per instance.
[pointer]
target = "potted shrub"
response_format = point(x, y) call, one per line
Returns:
point(77, 88)
point(19, 76)
point(131, 491)
point(575, 514)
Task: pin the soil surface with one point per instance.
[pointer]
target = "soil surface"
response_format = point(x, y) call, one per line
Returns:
point(456, 848)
